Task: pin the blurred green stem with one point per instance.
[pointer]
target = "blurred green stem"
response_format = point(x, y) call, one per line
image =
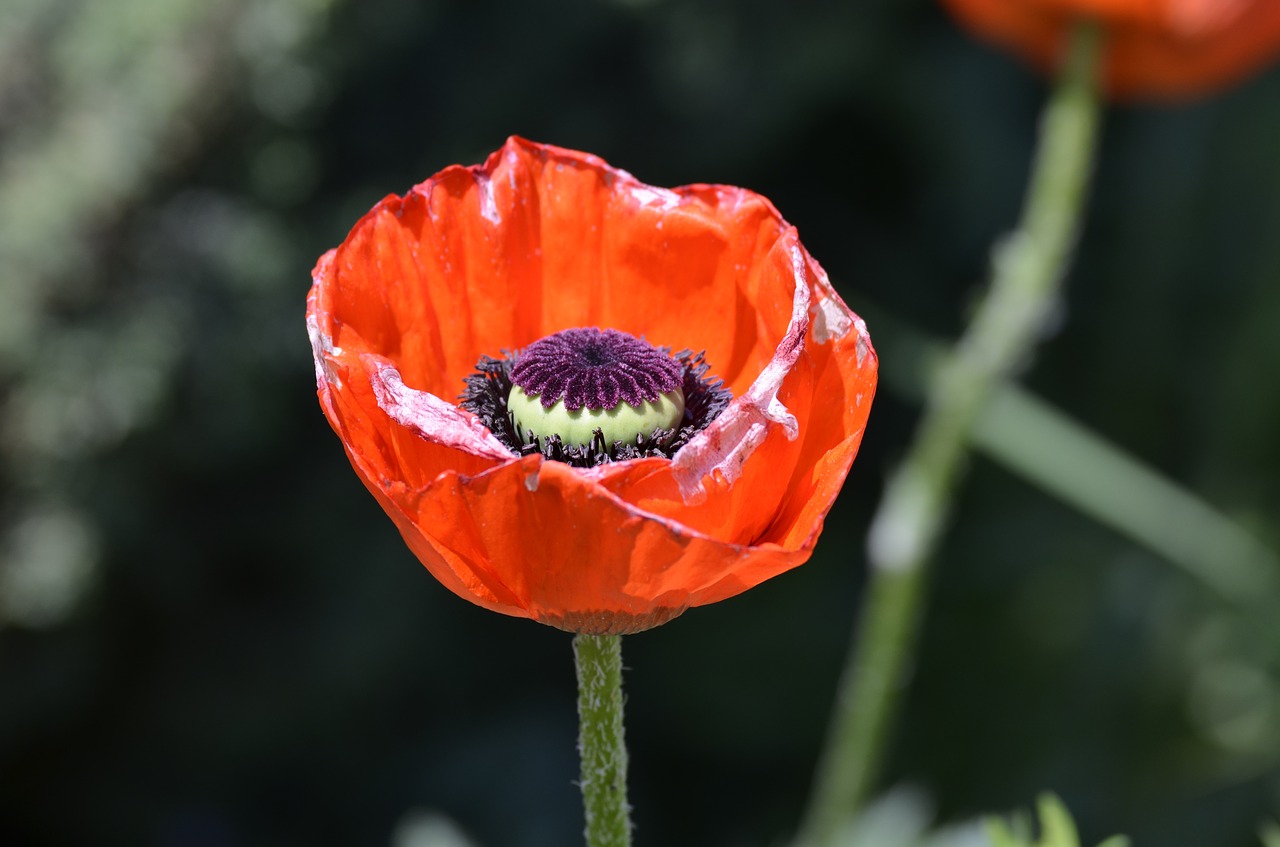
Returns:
point(1028, 267)
point(601, 745)
point(1080, 467)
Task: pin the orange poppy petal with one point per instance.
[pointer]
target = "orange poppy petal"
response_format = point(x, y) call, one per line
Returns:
point(538, 239)
point(1154, 48)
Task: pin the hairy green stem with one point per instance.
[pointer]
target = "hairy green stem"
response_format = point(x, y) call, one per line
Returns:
point(1028, 267)
point(601, 746)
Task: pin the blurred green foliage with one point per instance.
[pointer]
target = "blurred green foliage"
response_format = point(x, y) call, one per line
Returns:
point(1057, 829)
point(210, 634)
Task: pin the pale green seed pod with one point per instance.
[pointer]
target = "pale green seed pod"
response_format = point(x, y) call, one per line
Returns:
point(622, 424)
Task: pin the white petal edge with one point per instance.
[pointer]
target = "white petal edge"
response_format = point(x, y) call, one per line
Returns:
point(322, 349)
point(724, 446)
point(423, 412)
point(430, 417)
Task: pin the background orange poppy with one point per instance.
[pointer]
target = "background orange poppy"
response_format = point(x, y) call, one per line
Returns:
point(1154, 48)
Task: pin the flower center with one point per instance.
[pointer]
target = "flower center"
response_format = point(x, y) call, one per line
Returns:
point(590, 396)
point(579, 381)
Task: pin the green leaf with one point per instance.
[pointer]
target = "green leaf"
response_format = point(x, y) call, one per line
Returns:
point(1056, 827)
point(1270, 834)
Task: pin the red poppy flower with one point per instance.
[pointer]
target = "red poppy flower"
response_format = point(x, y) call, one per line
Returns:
point(1161, 48)
point(476, 261)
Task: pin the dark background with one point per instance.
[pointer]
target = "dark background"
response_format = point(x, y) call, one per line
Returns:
point(211, 635)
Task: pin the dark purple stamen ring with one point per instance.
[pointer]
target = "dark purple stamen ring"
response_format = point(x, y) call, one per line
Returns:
point(596, 368)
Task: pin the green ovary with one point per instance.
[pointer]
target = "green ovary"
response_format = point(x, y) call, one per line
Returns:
point(623, 424)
